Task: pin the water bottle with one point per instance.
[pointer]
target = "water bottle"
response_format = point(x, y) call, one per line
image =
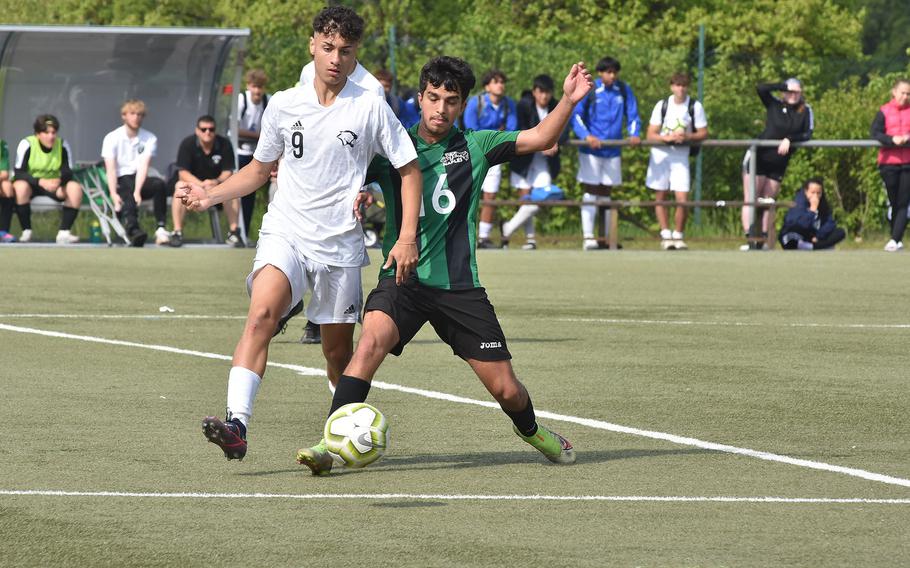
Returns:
point(95, 235)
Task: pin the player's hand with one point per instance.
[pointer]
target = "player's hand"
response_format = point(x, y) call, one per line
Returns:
point(578, 83)
point(363, 200)
point(593, 141)
point(137, 197)
point(551, 151)
point(900, 140)
point(194, 197)
point(634, 140)
point(784, 147)
point(404, 256)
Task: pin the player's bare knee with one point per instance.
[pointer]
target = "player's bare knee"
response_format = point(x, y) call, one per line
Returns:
point(261, 319)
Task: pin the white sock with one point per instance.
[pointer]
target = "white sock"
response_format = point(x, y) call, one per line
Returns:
point(484, 230)
point(524, 213)
point(607, 220)
point(666, 234)
point(242, 387)
point(677, 235)
point(588, 213)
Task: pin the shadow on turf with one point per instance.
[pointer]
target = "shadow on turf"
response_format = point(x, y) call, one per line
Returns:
point(464, 461)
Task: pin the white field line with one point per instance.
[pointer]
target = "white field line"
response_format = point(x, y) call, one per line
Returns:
point(597, 424)
point(737, 323)
point(164, 316)
point(454, 497)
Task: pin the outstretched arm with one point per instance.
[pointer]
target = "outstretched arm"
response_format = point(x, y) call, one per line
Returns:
point(577, 84)
point(249, 179)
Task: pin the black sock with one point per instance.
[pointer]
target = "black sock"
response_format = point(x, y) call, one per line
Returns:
point(6, 212)
point(24, 212)
point(524, 420)
point(68, 217)
point(349, 390)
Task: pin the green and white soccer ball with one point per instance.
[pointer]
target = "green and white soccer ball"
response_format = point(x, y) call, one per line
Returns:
point(356, 434)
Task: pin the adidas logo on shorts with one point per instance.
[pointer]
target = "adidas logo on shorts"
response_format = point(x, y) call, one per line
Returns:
point(351, 309)
point(297, 126)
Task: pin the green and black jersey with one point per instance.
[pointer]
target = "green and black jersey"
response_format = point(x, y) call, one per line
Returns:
point(453, 172)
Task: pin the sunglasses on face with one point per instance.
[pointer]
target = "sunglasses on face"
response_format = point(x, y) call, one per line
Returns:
point(206, 128)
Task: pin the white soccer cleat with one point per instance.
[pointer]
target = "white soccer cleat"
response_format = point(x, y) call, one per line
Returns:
point(26, 236)
point(667, 244)
point(162, 237)
point(890, 246)
point(681, 244)
point(66, 238)
point(589, 244)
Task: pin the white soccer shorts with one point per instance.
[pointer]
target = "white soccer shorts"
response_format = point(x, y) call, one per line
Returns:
point(596, 170)
point(336, 291)
point(538, 176)
point(668, 171)
point(494, 177)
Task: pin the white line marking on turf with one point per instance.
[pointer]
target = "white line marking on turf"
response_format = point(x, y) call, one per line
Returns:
point(305, 371)
point(456, 497)
point(597, 424)
point(738, 323)
point(122, 316)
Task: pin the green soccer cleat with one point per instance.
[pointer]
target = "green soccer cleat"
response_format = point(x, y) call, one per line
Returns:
point(553, 446)
point(316, 458)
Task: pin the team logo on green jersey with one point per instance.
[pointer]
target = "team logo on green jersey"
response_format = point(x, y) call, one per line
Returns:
point(450, 158)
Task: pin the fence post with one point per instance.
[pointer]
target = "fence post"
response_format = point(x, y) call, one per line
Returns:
point(701, 97)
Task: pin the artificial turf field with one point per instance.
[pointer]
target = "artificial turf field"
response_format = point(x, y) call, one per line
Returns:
point(793, 365)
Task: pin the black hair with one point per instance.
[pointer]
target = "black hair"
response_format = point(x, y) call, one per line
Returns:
point(45, 121)
point(608, 64)
point(452, 73)
point(493, 74)
point(339, 20)
point(544, 83)
point(824, 210)
point(206, 118)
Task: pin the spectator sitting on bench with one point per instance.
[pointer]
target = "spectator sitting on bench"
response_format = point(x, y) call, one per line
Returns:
point(127, 153)
point(809, 224)
point(205, 159)
point(7, 197)
point(44, 166)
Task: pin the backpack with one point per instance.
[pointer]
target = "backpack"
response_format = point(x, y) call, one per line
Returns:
point(265, 103)
point(693, 150)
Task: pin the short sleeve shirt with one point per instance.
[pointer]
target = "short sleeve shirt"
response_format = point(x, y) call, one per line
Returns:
point(192, 158)
point(128, 152)
point(453, 171)
point(677, 118)
point(325, 152)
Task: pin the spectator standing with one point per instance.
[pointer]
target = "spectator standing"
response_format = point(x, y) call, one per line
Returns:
point(533, 170)
point(7, 196)
point(127, 153)
point(600, 116)
point(809, 224)
point(205, 159)
point(490, 110)
point(251, 105)
point(674, 120)
point(44, 166)
point(891, 127)
point(788, 119)
point(410, 109)
point(387, 80)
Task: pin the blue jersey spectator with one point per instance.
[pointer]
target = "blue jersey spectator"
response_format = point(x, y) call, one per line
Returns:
point(410, 109)
point(597, 117)
point(490, 110)
point(809, 225)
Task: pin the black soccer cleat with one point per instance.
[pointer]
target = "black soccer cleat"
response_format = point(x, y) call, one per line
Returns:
point(312, 334)
point(226, 435)
point(283, 322)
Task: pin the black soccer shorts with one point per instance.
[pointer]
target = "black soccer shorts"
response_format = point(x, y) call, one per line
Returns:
point(464, 319)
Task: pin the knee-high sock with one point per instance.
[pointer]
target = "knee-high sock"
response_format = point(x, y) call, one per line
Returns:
point(68, 217)
point(243, 384)
point(525, 420)
point(6, 212)
point(484, 229)
point(24, 212)
point(349, 390)
point(524, 213)
point(588, 213)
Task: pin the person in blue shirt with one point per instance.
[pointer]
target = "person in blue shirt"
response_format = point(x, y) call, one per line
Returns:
point(410, 109)
point(600, 116)
point(490, 110)
point(809, 224)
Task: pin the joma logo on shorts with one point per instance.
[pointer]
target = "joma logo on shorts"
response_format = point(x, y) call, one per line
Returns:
point(491, 345)
point(450, 158)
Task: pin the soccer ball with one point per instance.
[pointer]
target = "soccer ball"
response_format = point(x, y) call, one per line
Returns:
point(356, 434)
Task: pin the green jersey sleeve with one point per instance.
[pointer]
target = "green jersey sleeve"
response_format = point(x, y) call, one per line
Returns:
point(498, 146)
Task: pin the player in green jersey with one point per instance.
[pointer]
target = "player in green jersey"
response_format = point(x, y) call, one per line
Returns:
point(446, 290)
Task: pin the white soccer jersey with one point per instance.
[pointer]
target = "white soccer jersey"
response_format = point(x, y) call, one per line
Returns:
point(360, 76)
point(128, 151)
point(325, 152)
point(677, 118)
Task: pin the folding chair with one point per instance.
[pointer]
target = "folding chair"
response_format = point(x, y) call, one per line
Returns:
point(94, 184)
